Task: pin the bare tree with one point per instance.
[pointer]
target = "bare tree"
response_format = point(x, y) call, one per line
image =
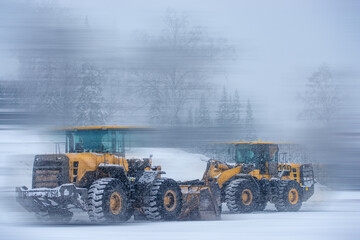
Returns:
point(176, 67)
point(321, 97)
point(48, 87)
point(51, 46)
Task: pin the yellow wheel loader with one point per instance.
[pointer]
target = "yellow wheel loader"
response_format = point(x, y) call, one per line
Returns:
point(258, 178)
point(93, 175)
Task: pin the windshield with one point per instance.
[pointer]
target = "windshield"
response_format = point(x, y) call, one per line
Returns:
point(244, 154)
point(99, 141)
point(248, 153)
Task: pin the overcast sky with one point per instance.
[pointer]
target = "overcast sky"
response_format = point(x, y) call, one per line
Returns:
point(279, 43)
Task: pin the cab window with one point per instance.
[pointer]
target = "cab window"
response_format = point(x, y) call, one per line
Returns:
point(244, 155)
point(99, 141)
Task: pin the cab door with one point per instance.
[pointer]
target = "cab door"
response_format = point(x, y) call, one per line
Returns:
point(273, 160)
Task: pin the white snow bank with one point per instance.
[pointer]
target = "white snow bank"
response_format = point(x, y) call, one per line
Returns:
point(177, 164)
point(346, 195)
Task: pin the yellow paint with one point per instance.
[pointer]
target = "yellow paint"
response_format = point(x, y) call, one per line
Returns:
point(115, 203)
point(293, 175)
point(100, 128)
point(293, 196)
point(256, 174)
point(258, 142)
point(222, 166)
point(222, 173)
point(226, 175)
point(170, 200)
point(246, 197)
point(91, 161)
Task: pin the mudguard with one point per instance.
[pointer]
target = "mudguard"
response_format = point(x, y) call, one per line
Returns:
point(149, 176)
point(115, 171)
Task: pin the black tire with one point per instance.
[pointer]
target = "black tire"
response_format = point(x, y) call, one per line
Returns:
point(108, 202)
point(164, 201)
point(261, 205)
point(289, 196)
point(241, 195)
point(54, 216)
point(139, 216)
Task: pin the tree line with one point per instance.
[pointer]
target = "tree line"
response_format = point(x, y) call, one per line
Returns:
point(167, 79)
point(62, 82)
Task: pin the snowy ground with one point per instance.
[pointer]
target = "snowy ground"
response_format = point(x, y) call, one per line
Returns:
point(328, 214)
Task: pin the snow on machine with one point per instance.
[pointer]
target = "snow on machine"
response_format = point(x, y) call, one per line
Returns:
point(93, 175)
point(258, 178)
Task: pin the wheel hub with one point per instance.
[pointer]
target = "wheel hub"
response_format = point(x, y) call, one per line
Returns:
point(246, 197)
point(115, 203)
point(170, 200)
point(293, 196)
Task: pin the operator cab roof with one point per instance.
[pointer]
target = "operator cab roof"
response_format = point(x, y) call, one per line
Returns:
point(102, 128)
point(257, 142)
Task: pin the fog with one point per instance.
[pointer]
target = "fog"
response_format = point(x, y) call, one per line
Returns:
point(199, 74)
point(277, 43)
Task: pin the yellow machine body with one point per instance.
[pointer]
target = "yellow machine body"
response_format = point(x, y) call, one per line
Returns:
point(81, 163)
point(223, 173)
point(257, 177)
point(94, 167)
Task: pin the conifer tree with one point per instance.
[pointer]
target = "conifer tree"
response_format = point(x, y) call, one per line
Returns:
point(222, 117)
point(249, 123)
point(89, 104)
point(204, 113)
point(235, 109)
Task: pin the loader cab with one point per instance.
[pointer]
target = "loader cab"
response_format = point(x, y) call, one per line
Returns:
point(263, 156)
point(95, 141)
point(104, 139)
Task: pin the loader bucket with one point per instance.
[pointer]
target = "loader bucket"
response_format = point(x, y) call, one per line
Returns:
point(200, 202)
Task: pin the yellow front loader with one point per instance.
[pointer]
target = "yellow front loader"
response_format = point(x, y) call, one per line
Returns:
point(93, 175)
point(257, 178)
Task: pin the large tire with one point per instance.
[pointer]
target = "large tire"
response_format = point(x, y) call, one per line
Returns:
point(241, 195)
point(54, 216)
point(164, 201)
point(108, 201)
point(289, 196)
point(264, 184)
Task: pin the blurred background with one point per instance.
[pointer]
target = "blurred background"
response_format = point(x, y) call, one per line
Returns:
point(200, 71)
